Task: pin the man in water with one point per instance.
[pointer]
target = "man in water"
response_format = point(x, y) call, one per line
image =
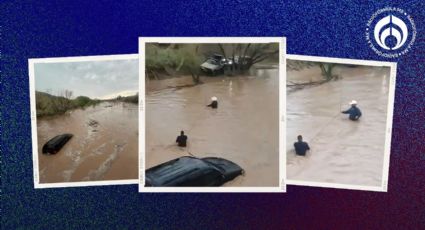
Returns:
point(214, 103)
point(301, 147)
point(354, 112)
point(181, 140)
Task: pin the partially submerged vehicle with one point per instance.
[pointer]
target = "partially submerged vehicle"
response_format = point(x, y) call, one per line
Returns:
point(56, 143)
point(217, 63)
point(193, 172)
point(214, 64)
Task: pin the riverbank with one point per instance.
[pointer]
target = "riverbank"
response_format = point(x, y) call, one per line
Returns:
point(181, 81)
point(50, 105)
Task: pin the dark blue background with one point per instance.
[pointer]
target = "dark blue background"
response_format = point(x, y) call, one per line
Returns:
point(335, 29)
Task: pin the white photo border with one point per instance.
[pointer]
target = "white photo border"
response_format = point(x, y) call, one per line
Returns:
point(389, 123)
point(282, 111)
point(31, 63)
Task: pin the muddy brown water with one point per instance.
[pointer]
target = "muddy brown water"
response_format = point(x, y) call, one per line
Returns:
point(106, 149)
point(244, 129)
point(342, 151)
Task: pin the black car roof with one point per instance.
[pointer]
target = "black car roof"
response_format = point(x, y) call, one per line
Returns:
point(178, 169)
point(58, 140)
point(56, 143)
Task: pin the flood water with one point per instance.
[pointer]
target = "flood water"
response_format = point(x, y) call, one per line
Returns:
point(342, 151)
point(244, 129)
point(104, 145)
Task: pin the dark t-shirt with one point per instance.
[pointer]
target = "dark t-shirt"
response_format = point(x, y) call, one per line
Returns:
point(213, 105)
point(181, 140)
point(301, 148)
point(354, 112)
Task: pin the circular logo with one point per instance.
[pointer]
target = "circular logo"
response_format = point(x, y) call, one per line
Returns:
point(390, 32)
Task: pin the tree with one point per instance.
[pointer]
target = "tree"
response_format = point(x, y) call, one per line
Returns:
point(244, 56)
point(82, 101)
point(68, 94)
point(327, 70)
point(172, 59)
point(161, 59)
point(61, 103)
point(190, 61)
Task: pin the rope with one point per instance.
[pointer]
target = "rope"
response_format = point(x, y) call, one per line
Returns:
point(191, 153)
point(333, 118)
point(330, 120)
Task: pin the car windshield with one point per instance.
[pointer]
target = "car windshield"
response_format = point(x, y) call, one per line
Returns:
point(217, 57)
point(212, 61)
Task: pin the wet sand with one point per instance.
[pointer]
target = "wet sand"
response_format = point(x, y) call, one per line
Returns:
point(104, 151)
point(244, 128)
point(342, 151)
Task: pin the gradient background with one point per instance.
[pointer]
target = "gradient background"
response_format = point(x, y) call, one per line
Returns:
point(45, 29)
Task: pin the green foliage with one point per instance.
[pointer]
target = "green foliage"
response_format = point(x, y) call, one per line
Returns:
point(190, 60)
point(82, 101)
point(157, 58)
point(171, 59)
point(185, 59)
point(48, 105)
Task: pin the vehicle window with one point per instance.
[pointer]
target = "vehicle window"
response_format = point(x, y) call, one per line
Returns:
point(217, 57)
point(212, 61)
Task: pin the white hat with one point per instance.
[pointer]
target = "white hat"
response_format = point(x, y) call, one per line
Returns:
point(353, 102)
point(214, 98)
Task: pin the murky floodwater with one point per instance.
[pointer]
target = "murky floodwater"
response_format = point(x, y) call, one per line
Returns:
point(342, 151)
point(104, 145)
point(244, 128)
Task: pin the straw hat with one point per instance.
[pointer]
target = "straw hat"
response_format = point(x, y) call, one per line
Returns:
point(214, 98)
point(353, 102)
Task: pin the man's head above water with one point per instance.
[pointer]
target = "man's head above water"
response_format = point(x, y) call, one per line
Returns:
point(300, 138)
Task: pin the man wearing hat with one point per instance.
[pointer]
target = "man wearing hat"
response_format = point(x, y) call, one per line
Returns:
point(354, 112)
point(214, 103)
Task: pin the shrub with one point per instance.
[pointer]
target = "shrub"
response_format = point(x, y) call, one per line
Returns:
point(82, 101)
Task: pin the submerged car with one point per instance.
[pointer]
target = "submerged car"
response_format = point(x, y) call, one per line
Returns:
point(193, 172)
point(214, 64)
point(56, 143)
